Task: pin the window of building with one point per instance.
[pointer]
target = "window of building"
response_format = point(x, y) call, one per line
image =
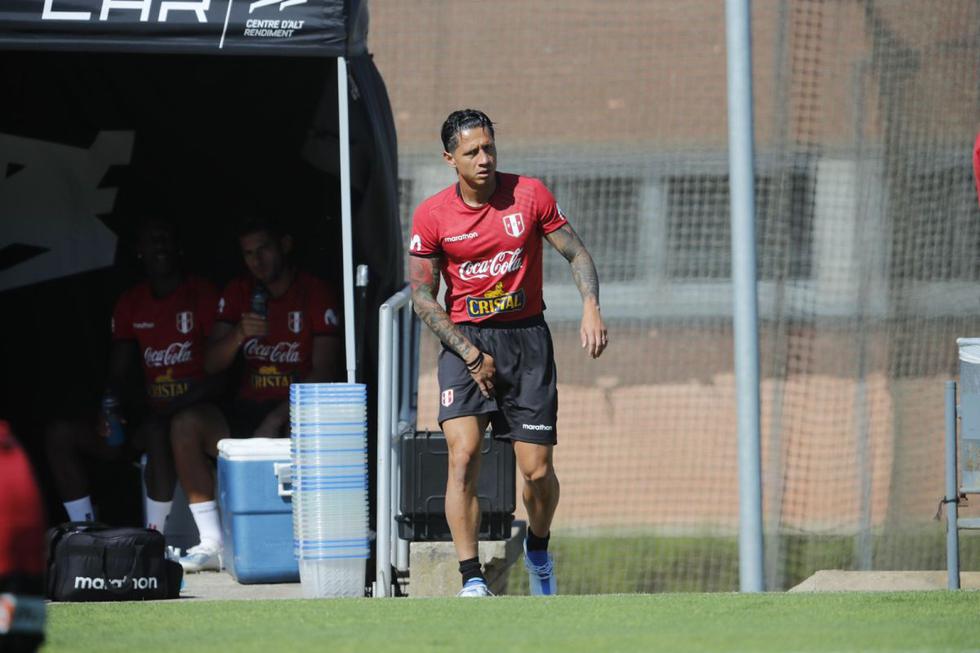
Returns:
point(699, 236)
point(936, 235)
point(605, 212)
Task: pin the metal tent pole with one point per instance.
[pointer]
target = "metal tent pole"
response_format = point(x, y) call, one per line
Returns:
point(738, 21)
point(952, 493)
point(346, 221)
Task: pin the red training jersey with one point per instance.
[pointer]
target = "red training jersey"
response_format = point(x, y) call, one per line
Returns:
point(308, 308)
point(976, 164)
point(493, 253)
point(21, 514)
point(171, 333)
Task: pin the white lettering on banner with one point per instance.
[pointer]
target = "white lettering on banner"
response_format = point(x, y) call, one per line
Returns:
point(143, 325)
point(48, 13)
point(98, 583)
point(282, 352)
point(258, 4)
point(199, 7)
point(271, 33)
point(500, 264)
point(455, 239)
point(142, 5)
point(175, 354)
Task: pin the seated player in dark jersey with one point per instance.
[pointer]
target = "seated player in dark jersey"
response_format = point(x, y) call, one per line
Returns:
point(284, 324)
point(163, 323)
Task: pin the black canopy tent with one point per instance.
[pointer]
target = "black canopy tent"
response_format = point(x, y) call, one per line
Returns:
point(205, 110)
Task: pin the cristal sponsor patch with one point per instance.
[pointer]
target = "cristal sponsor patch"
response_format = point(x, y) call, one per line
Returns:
point(269, 376)
point(496, 302)
point(165, 386)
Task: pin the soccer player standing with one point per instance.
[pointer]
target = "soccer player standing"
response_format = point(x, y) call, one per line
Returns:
point(483, 236)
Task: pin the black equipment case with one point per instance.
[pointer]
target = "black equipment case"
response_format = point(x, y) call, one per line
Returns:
point(424, 462)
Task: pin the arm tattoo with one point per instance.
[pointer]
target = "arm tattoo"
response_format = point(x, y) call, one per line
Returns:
point(424, 274)
point(569, 245)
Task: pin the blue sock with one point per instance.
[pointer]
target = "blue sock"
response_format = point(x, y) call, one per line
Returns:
point(537, 547)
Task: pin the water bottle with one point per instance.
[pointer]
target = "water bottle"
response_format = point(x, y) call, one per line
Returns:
point(110, 410)
point(260, 299)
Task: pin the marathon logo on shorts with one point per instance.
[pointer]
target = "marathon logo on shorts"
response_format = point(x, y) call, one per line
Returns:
point(537, 427)
point(496, 302)
point(185, 322)
point(447, 397)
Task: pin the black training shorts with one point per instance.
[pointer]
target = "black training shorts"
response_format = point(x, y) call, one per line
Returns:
point(244, 416)
point(525, 405)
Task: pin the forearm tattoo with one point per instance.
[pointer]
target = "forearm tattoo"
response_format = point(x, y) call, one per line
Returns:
point(424, 275)
point(569, 245)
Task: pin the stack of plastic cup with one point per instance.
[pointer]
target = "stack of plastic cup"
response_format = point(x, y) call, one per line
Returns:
point(328, 424)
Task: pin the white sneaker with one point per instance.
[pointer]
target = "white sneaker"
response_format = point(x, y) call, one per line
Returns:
point(541, 577)
point(475, 587)
point(203, 557)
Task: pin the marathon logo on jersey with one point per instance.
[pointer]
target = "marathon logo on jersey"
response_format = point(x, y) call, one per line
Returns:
point(514, 224)
point(448, 397)
point(165, 387)
point(185, 322)
point(496, 302)
point(456, 239)
point(295, 321)
point(502, 262)
point(270, 376)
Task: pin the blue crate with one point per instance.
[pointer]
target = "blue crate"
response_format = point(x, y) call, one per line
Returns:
point(256, 519)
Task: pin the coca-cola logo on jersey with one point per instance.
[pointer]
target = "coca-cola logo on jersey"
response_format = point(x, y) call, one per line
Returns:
point(502, 263)
point(281, 352)
point(175, 354)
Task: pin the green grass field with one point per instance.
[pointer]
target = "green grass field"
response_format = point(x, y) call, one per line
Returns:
point(924, 621)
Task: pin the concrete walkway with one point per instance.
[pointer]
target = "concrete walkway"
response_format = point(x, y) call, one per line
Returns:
point(220, 586)
point(834, 580)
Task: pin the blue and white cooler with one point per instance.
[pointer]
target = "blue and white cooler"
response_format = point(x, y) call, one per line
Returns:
point(254, 495)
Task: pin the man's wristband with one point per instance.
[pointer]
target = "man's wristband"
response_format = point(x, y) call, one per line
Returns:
point(476, 363)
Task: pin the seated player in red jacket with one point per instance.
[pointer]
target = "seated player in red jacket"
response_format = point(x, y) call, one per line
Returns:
point(163, 323)
point(284, 324)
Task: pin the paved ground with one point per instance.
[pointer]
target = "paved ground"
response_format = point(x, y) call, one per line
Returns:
point(833, 580)
point(212, 586)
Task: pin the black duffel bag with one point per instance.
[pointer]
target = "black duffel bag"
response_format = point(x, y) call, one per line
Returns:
point(89, 561)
